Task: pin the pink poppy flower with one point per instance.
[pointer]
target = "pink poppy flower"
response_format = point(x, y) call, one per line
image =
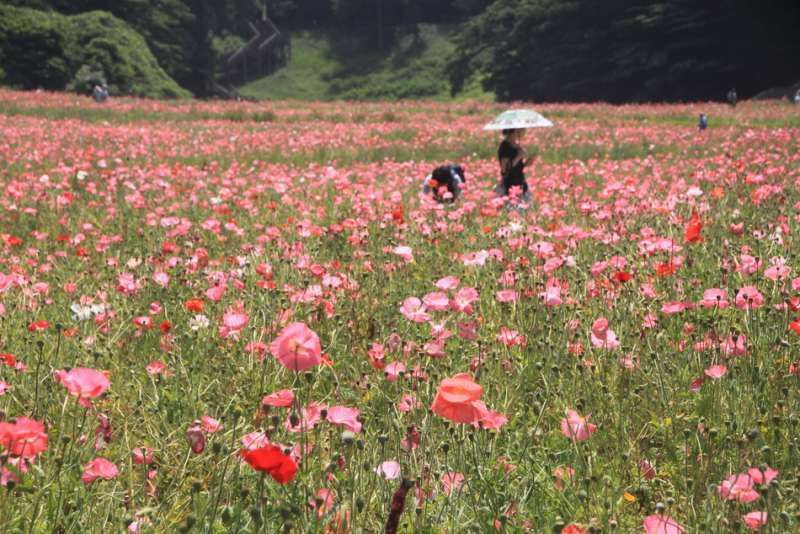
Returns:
point(196, 437)
point(323, 501)
point(308, 418)
point(755, 520)
point(209, 424)
point(161, 278)
point(749, 297)
point(233, 322)
point(455, 399)
point(404, 252)
point(344, 416)
point(451, 482)
point(83, 383)
point(602, 336)
point(447, 283)
point(762, 477)
point(551, 296)
point(576, 427)
point(436, 301)
point(24, 438)
point(4, 387)
point(142, 455)
point(716, 371)
point(734, 346)
point(715, 297)
point(511, 338)
point(738, 487)
point(156, 367)
point(661, 524)
point(255, 440)
point(390, 470)
point(297, 347)
point(215, 293)
point(408, 402)
point(414, 310)
point(506, 295)
point(99, 468)
point(280, 399)
point(393, 370)
point(463, 299)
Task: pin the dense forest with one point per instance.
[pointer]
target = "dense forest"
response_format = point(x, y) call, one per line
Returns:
point(612, 50)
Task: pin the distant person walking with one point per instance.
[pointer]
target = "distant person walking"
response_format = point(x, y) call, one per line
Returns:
point(100, 93)
point(797, 97)
point(513, 160)
point(702, 122)
point(732, 97)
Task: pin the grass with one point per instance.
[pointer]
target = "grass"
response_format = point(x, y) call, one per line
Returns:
point(328, 65)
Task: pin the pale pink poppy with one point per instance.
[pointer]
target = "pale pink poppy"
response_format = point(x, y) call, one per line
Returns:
point(551, 296)
point(755, 520)
point(99, 468)
point(344, 416)
point(83, 383)
point(215, 293)
point(511, 338)
point(673, 307)
point(716, 371)
point(463, 299)
point(661, 524)
point(255, 440)
point(749, 297)
point(576, 427)
point(715, 297)
point(390, 470)
point(436, 302)
point(209, 424)
point(475, 258)
point(408, 402)
point(297, 347)
point(451, 482)
point(234, 321)
point(734, 346)
point(414, 310)
point(404, 252)
point(161, 278)
point(393, 370)
point(650, 321)
point(280, 399)
point(447, 283)
point(308, 418)
point(506, 295)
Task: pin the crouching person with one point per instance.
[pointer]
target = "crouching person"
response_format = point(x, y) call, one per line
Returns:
point(445, 183)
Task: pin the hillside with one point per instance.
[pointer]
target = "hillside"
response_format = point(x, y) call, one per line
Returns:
point(48, 50)
point(329, 65)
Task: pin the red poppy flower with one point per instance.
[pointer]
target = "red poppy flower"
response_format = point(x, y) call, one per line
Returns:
point(38, 326)
point(194, 305)
point(795, 325)
point(622, 276)
point(693, 229)
point(8, 359)
point(271, 460)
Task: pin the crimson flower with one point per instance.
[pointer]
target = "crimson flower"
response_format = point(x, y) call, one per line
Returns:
point(271, 460)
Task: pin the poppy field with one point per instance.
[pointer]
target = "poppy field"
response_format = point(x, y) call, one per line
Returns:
point(240, 317)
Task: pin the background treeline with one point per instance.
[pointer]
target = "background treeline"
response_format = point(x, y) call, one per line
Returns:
point(612, 50)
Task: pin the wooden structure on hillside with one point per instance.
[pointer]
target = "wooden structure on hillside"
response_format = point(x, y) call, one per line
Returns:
point(267, 51)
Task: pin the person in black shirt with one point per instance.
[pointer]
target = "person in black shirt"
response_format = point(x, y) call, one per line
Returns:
point(513, 160)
